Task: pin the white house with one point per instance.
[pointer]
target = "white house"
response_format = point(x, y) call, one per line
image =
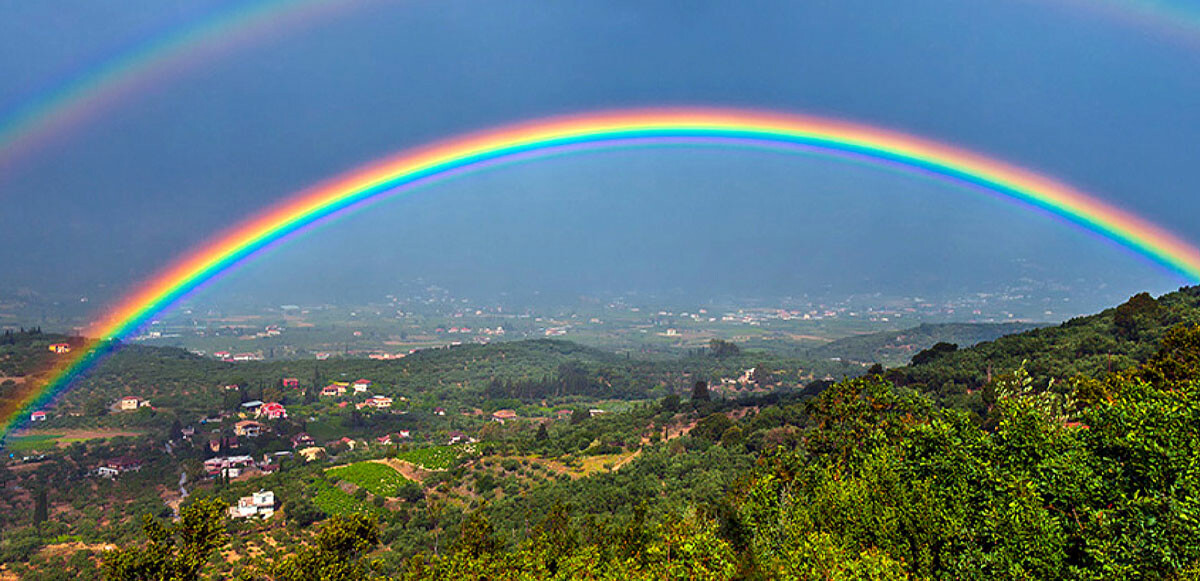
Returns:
point(261, 503)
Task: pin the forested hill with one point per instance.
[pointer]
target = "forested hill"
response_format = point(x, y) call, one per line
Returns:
point(485, 375)
point(1112, 340)
point(898, 347)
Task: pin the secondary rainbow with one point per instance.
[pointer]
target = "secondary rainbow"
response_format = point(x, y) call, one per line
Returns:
point(628, 128)
point(86, 94)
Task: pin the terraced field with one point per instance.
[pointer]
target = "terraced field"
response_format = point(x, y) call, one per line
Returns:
point(334, 500)
point(378, 479)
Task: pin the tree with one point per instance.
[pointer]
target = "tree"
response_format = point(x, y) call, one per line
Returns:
point(939, 349)
point(542, 434)
point(95, 407)
point(477, 537)
point(669, 403)
point(177, 551)
point(40, 506)
point(712, 427)
point(720, 349)
point(335, 557)
point(578, 416)
point(302, 512)
point(700, 391)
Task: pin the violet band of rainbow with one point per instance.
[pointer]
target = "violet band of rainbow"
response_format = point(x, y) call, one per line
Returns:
point(628, 128)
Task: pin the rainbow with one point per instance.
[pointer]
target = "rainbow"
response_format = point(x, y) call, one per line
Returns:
point(86, 95)
point(632, 128)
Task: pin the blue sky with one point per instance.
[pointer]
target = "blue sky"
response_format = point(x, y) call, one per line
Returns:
point(1098, 103)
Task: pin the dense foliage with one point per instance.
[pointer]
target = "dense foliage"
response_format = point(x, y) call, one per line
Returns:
point(1084, 474)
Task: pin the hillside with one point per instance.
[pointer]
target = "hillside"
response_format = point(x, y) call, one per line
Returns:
point(1091, 346)
point(759, 481)
point(897, 347)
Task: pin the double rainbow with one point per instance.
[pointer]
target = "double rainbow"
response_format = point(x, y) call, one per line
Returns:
point(633, 128)
point(87, 94)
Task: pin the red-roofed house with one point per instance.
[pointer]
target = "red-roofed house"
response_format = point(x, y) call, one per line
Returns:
point(291, 382)
point(379, 402)
point(272, 411)
point(60, 348)
point(333, 390)
point(362, 385)
point(38, 416)
point(504, 415)
point(119, 465)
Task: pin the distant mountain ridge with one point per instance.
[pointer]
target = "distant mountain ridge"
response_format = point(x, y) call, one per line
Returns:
point(892, 348)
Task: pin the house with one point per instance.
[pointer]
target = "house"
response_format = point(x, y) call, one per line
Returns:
point(404, 434)
point(272, 411)
point(302, 440)
point(439, 411)
point(118, 466)
point(187, 432)
point(219, 442)
point(232, 387)
point(379, 402)
point(594, 412)
point(333, 389)
point(362, 385)
point(38, 416)
point(60, 348)
point(384, 439)
point(248, 428)
point(456, 437)
point(312, 453)
point(261, 503)
point(563, 414)
point(132, 402)
point(503, 415)
point(221, 354)
point(251, 406)
point(291, 382)
point(248, 357)
point(228, 466)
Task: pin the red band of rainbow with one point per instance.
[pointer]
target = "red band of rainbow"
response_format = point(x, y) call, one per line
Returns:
point(600, 130)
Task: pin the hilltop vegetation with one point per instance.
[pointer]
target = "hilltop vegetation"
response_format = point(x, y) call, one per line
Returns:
point(898, 347)
point(1111, 341)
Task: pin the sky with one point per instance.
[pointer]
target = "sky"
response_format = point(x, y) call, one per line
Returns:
point(1097, 102)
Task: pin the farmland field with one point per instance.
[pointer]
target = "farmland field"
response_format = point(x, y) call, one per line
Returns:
point(378, 479)
point(335, 501)
point(434, 458)
point(32, 442)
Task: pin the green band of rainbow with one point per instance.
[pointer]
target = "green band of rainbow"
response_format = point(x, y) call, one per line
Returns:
point(602, 130)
